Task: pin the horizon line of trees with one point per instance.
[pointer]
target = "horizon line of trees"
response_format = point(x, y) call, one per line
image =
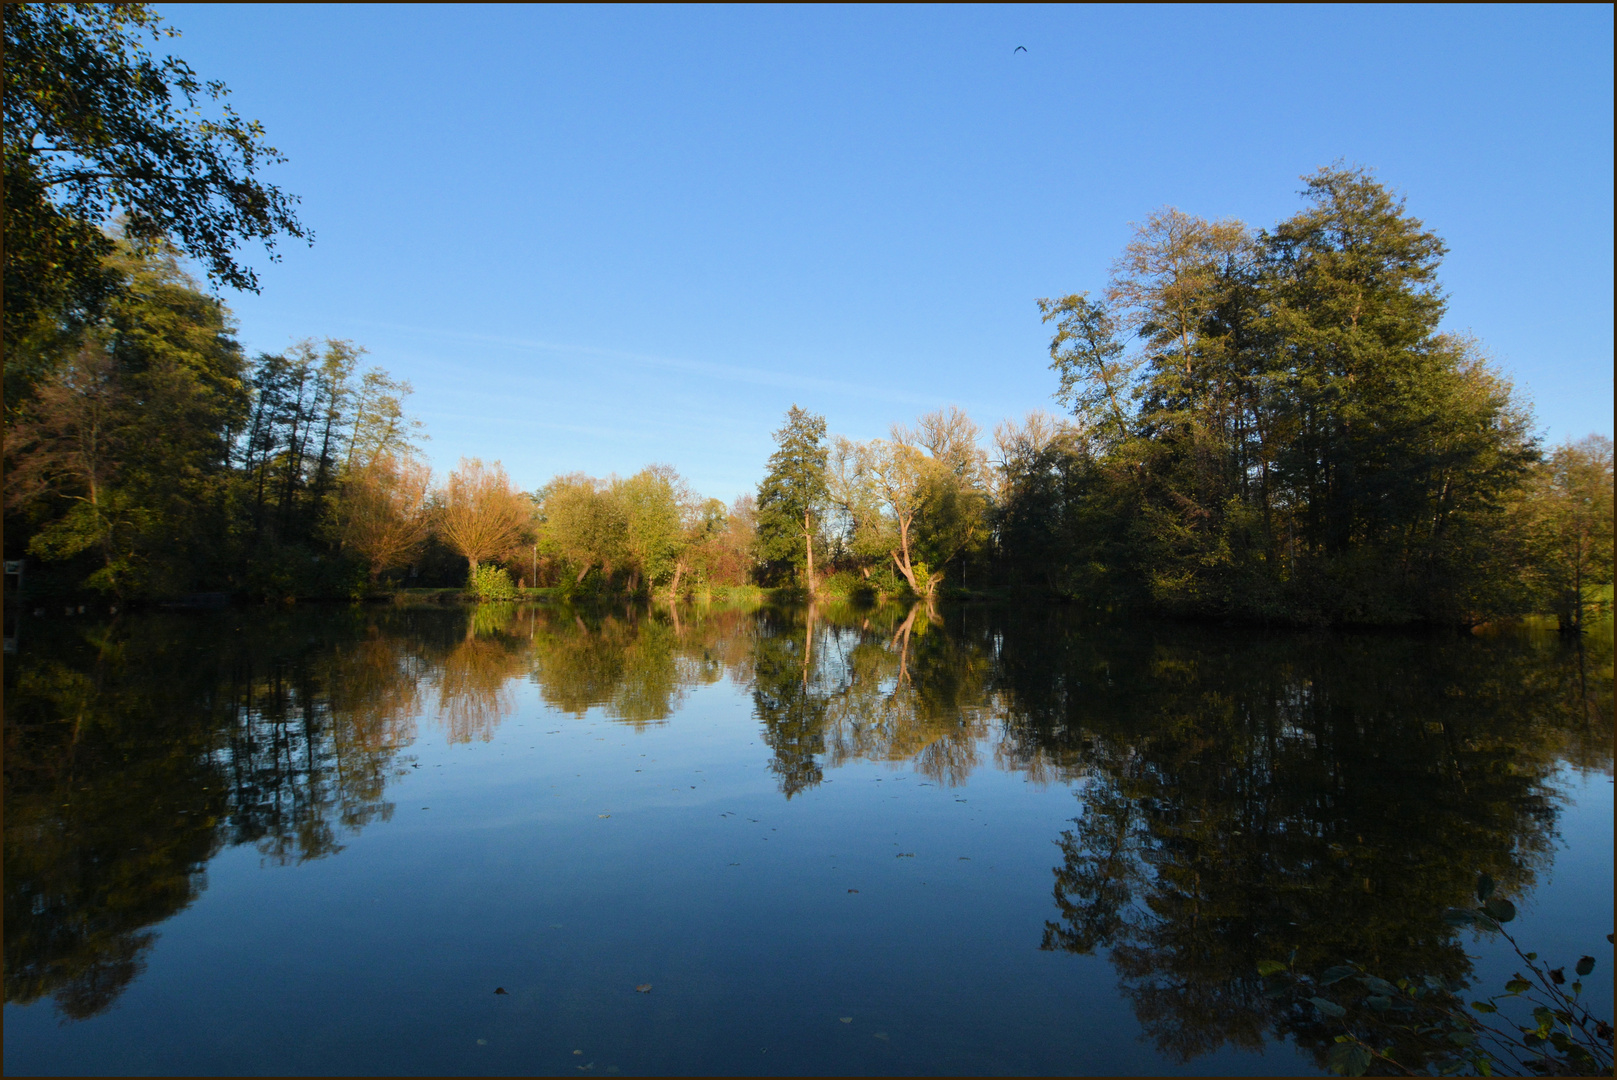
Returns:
point(1238, 466)
point(1263, 424)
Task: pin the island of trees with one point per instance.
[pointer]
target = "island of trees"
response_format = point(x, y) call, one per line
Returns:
point(1255, 423)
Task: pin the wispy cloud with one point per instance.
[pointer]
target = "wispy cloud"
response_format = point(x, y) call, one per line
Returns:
point(719, 372)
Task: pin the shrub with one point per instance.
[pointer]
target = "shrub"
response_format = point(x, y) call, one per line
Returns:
point(491, 582)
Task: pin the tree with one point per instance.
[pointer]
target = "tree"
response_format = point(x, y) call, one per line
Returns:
point(793, 496)
point(70, 443)
point(1293, 437)
point(584, 524)
point(1095, 379)
point(656, 502)
point(383, 511)
point(95, 124)
point(480, 515)
point(862, 532)
point(955, 521)
point(1571, 495)
point(125, 450)
point(722, 540)
point(900, 473)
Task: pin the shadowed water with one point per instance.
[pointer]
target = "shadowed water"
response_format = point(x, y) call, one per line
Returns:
point(786, 841)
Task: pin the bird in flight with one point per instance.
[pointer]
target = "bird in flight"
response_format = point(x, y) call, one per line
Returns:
point(1019, 48)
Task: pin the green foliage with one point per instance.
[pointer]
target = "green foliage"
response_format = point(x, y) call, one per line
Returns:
point(1537, 1026)
point(95, 124)
point(490, 582)
point(1566, 515)
point(793, 495)
point(1293, 438)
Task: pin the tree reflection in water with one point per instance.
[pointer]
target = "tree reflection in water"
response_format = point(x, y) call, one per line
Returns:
point(1241, 794)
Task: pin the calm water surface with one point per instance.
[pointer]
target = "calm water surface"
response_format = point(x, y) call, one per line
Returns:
point(317, 841)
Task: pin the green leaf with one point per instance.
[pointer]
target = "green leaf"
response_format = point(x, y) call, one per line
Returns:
point(1378, 985)
point(1379, 1002)
point(1328, 1007)
point(1337, 974)
point(1462, 1038)
point(1516, 986)
point(1500, 910)
point(1484, 887)
point(1483, 1007)
point(1270, 967)
point(1348, 1059)
point(1459, 917)
point(1586, 964)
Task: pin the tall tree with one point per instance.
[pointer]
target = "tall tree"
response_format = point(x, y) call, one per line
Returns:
point(793, 497)
point(1294, 437)
point(146, 404)
point(96, 125)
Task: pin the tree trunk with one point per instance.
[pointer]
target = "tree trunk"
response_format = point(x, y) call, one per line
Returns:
point(808, 539)
point(904, 568)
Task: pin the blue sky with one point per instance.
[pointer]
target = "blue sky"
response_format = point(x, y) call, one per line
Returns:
point(595, 238)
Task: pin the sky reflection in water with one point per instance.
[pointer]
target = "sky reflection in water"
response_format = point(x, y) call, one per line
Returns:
point(829, 840)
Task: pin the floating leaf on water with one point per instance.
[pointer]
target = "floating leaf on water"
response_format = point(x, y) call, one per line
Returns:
point(603, 815)
point(1328, 1007)
point(1586, 964)
point(499, 990)
point(853, 890)
point(643, 988)
point(846, 1019)
point(882, 1035)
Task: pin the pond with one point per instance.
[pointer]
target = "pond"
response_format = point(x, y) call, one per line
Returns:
point(529, 839)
